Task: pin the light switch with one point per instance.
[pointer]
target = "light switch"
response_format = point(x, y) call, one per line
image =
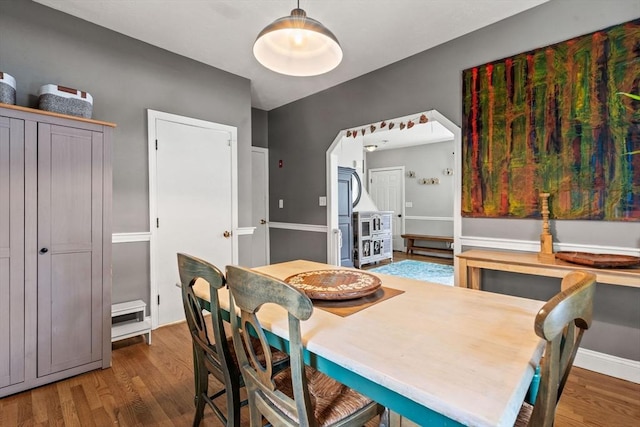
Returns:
point(281, 203)
point(322, 201)
point(408, 204)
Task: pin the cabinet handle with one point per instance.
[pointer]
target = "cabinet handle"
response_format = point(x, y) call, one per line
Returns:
point(44, 250)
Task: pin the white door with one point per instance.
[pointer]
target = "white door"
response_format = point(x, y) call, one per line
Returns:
point(260, 206)
point(193, 205)
point(386, 187)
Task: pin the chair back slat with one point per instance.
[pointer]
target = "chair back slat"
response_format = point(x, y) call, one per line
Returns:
point(561, 322)
point(250, 290)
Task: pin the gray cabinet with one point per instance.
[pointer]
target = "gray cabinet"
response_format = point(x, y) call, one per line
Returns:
point(55, 228)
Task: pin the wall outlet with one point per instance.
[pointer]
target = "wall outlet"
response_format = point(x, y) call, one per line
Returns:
point(322, 201)
point(281, 203)
point(408, 204)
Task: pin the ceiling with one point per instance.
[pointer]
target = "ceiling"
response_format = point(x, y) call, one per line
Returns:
point(425, 133)
point(220, 33)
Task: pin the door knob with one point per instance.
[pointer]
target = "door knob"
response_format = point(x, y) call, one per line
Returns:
point(227, 234)
point(262, 221)
point(44, 250)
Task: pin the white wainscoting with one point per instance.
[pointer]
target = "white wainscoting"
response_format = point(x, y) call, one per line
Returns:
point(298, 227)
point(429, 218)
point(143, 236)
point(603, 363)
point(534, 246)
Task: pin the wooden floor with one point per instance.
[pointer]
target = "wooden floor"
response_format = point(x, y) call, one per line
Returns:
point(152, 386)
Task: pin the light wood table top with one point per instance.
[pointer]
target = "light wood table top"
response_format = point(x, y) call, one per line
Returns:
point(473, 261)
point(431, 353)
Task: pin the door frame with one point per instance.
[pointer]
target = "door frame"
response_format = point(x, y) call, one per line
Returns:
point(402, 190)
point(152, 116)
point(266, 202)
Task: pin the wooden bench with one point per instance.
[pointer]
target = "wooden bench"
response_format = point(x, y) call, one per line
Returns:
point(412, 238)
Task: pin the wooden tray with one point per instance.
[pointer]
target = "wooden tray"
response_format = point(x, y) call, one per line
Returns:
point(599, 260)
point(335, 284)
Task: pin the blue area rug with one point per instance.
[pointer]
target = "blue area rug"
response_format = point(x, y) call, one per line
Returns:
point(427, 271)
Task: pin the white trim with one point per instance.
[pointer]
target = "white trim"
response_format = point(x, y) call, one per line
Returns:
point(299, 227)
point(606, 364)
point(534, 246)
point(245, 231)
point(142, 236)
point(429, 218)
point(152, 117)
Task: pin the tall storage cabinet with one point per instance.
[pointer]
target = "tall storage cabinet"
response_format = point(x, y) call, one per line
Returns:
point(55, 247)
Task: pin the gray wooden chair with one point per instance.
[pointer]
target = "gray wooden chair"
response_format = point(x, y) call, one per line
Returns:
point(218, 358)
point(300, 395)
point(561, 322)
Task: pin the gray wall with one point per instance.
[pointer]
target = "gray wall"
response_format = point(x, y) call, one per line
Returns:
point(427, 161)
point(125, 77)
point(259, 128)
point(301, 132)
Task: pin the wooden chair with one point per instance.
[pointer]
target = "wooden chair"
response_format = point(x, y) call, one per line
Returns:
point(217, 359)
point(300, 395)
point(561, 322)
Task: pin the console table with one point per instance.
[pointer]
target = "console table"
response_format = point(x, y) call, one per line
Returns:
point(472, 262)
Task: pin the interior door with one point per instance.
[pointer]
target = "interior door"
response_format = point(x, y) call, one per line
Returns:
point(70, 170)
point(386, 187)
point(260, 206)
point(193, 205)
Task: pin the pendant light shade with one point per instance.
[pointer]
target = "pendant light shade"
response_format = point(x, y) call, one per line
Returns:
point(297, 45)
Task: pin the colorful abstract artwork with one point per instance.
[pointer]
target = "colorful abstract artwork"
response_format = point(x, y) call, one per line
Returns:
point(553, 120)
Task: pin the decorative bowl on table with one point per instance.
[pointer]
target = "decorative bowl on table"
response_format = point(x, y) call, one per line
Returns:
point(599, 260)
point(335, 284)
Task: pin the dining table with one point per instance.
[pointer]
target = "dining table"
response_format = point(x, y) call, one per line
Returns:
point(437, 355)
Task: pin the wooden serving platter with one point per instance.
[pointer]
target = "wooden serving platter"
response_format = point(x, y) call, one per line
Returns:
point(335, 284)
point(599, 260)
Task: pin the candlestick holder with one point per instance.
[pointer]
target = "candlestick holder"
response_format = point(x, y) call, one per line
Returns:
point(546, 238)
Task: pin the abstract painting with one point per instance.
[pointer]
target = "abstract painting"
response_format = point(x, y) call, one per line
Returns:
point(555, 120)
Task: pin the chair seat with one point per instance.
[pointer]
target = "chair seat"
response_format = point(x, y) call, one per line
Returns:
point(524, 415)
point(279, 359)
point(331, 400)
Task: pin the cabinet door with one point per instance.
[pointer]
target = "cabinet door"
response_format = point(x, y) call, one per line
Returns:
point(70, 187)
point(11, 251)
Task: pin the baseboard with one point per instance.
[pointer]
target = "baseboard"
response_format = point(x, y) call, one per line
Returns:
point(606, 364)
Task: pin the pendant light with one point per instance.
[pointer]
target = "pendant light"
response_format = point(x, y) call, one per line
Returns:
point(297, 45)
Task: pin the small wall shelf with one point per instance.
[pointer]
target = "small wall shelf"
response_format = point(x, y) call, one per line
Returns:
point(141, 325)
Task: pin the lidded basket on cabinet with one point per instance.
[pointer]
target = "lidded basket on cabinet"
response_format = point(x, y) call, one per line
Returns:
point(7, 89)
point(65, 100)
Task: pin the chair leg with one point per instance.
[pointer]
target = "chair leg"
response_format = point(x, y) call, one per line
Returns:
point(384, 419)
point(233, 405)
point(196, 375)
point(202, 388)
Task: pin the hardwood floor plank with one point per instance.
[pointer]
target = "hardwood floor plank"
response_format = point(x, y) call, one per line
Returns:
point(85, 414)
